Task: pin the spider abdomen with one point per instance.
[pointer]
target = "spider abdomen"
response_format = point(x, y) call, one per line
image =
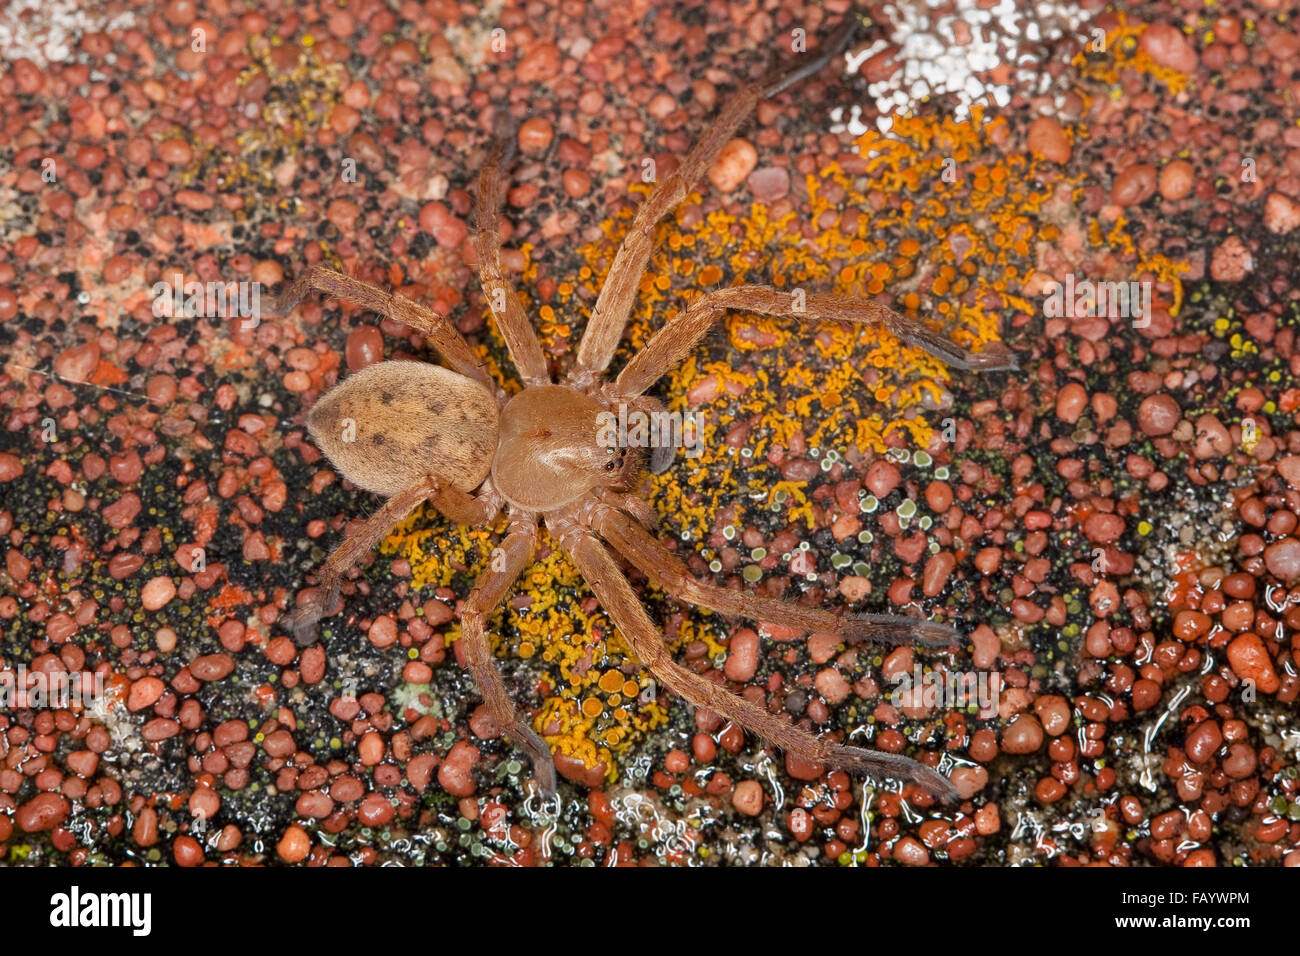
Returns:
point(394, 423)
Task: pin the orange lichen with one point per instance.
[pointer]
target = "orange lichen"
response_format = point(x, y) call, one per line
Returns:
point(1166, 270)
point(1121, 52)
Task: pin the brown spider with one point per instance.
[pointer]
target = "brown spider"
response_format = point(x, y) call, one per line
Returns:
point(415, 432)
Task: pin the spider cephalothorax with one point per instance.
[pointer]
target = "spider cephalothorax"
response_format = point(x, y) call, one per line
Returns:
point(414, 432)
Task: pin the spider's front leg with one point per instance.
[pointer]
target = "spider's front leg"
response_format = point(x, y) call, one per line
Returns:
point(620, 602)
point(614, 304)
point(665, 569)
point(680, 334)
point(512, 321)
point(456, 505)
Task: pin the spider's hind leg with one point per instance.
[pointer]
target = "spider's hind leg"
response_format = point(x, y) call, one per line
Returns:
point(454, 504)
point(441, 333)
point(302, 623)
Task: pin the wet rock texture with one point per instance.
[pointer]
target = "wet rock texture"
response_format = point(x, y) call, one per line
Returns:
point(1113, 528)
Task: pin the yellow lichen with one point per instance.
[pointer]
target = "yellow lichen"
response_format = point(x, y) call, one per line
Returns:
point(954, 252)
point(583, 715)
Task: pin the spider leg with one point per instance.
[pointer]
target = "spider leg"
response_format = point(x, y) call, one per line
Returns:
point(521, 341)
point(631, 504)
point(440, 332)
point(614, 305)
point(508, 562)
point(620, 602)
point(675, 340)
point(458, 506)
point(649, 555)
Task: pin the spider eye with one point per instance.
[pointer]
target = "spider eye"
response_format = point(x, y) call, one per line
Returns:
point(609, 466)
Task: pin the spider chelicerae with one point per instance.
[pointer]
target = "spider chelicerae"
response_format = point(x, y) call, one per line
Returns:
point(414, 432)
